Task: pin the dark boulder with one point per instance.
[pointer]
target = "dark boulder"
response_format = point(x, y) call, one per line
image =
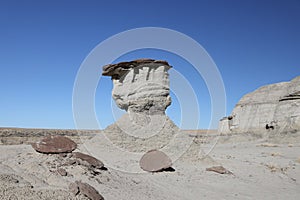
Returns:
point(155, 161)
point(54, 144)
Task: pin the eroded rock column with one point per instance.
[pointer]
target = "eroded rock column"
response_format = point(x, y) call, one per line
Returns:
point(141, 88)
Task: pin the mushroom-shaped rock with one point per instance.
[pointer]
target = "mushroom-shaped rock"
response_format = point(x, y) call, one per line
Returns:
point(54, 144)
point(116, 71)
point(85, 189)
point(155, 161)
point(140, 86)
point(92, 161)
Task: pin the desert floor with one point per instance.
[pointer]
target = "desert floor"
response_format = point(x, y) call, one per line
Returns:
point(260, 170)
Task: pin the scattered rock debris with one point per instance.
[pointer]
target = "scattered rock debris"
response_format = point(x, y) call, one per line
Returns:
point(62, 148)
point(276, 168)
point(91, 165)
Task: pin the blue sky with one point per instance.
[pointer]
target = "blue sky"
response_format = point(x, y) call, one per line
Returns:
point(43, 43)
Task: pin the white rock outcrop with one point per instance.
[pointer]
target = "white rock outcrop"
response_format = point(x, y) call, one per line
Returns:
point(140, 86)
point(272, 108)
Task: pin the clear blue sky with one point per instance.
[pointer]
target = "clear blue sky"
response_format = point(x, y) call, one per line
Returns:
point(43, 43)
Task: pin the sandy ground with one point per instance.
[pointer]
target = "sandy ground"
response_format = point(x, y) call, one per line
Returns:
point(261, 170)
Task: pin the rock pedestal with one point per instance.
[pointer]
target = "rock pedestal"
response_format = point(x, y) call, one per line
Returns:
point(141, 87)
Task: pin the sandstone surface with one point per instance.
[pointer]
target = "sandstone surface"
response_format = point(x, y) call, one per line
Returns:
point(140, 85)
point(272, 109)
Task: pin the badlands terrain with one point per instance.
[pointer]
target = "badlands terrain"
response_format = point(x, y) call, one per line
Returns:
point(258, 168)
point(255, 153)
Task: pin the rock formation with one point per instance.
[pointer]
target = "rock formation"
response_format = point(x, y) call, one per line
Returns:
point(273, 108)
point(141, 87)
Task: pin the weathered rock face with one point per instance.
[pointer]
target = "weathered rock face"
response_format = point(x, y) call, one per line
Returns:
point(274, 107)
point(140, 86)
point(147, 133)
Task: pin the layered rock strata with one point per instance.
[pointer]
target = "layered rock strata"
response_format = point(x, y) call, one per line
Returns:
point(272, 108)
point(141, 88)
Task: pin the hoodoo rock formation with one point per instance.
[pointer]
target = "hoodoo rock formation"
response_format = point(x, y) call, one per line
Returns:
point(271, 108)
point(141, 87)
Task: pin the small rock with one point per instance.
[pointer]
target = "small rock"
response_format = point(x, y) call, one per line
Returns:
point(69, 162)
point(268, 145)
point(273, 167)
point(92, 161)
point(62, 172)
point(155, 161)
point(73, 187)
point(55, 144)
point(293, 179)
point(219, 169)
point(63, 155)
point(89, 191)
point(136, 180)
point(276, 154)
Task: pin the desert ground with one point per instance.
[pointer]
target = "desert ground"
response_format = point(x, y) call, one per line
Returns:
point(257, 168)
